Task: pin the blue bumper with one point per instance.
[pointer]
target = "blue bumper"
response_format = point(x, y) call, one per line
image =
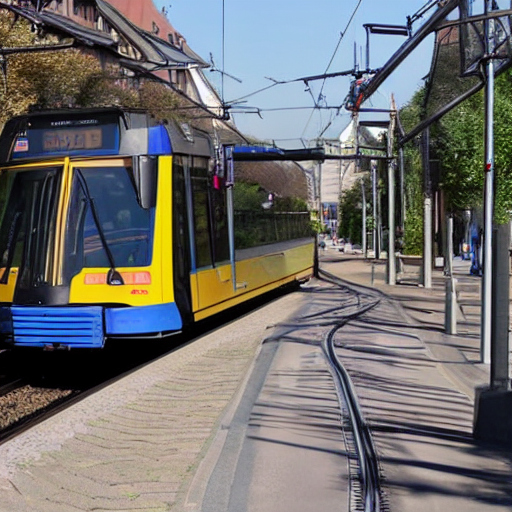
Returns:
point(83, 326)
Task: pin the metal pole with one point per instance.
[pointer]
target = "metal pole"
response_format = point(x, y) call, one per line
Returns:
point(449, 245)
point(341, 175)
point(374, 199)
point(391, 199)
point(230, 172)
point(450, 321)
point(379, 219)
point(402, 188)
point(486, 308)
point(500, 379)
point(364, 220)
point(427, 213)
point(367, 48)
point(319, 189)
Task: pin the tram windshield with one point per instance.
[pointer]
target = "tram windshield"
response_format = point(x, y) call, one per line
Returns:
point(122, 227)
point(28, 211)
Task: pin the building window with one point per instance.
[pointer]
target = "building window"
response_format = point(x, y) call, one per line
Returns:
point(156, 30)
point(84, 8)
point(170, 37)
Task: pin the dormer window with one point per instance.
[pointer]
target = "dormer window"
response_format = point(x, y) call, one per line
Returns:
point(170, 37)
point(85, 9)
point(155, 30)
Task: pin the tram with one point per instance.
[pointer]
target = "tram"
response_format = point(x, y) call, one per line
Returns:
point(114, 225)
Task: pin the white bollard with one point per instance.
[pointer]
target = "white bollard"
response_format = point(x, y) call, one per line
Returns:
point(450, 315)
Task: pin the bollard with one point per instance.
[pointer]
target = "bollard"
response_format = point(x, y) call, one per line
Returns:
point(450, 310)
point(373, 273)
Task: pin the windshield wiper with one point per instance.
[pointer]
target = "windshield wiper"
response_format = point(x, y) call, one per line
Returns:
point(113, 276)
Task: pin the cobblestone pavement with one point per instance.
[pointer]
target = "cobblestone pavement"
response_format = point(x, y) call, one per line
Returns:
point(137, 444)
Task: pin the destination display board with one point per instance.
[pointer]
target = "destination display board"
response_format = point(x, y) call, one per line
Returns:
point(72, 139)
point(97, 135)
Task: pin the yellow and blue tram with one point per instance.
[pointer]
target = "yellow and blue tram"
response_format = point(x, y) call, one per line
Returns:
point(114, 225)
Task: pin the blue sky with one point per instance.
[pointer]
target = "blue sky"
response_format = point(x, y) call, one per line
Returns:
point(288, 39)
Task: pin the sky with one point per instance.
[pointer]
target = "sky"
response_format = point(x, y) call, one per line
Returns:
point(288, 39)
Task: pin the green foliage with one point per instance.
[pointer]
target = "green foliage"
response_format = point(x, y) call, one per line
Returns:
point(248, 196)
point(413, 232)
point(462, 154)
point(104, 88)
point(161, 101)
point(411, 113)
point(351, 212)
point(290, 204)
point(70, 78)
point(413, 229)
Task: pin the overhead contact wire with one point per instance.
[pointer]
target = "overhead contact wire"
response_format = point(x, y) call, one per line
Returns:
point(342, 35)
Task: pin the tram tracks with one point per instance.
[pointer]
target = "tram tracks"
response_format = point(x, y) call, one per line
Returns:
point(365, 491)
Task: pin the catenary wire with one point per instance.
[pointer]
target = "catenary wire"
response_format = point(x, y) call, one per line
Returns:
point(342, 35)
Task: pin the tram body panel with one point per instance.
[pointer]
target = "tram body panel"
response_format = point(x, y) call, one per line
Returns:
point(214, 290)
point(111, 226)
point(7, 290)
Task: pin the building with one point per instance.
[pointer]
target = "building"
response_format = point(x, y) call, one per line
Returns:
point(137, 37)
point(134, 35)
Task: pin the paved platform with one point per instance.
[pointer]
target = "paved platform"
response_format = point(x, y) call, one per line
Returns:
point(156, 441)
point(416, 389)
point(417, 386)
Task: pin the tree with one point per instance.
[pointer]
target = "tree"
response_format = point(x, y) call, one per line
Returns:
point(351, 213)
point(70, 78)
point(461, 145)
point(410, 116)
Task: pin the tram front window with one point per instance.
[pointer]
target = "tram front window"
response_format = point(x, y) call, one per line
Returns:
point(105, 215)
point(28, 210)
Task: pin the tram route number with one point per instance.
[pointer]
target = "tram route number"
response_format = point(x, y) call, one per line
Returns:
point(73, 138)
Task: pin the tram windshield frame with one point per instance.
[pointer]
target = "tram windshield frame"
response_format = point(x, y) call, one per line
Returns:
point(126, 229)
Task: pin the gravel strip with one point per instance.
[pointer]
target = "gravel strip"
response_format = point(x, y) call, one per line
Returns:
point(26, 401)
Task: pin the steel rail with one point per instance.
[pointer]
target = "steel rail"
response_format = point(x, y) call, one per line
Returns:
point(369, 476)
point(7, 387)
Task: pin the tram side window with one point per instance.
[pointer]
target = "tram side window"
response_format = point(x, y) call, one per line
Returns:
point(220, 225)
point(199, 179)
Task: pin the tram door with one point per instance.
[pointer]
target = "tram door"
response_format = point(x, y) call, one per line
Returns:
point(209, 217)
point(181, 238)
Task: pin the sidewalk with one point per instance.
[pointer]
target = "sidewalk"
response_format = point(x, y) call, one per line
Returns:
point(460, 353)
point(158, 440)
point(416, 386)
